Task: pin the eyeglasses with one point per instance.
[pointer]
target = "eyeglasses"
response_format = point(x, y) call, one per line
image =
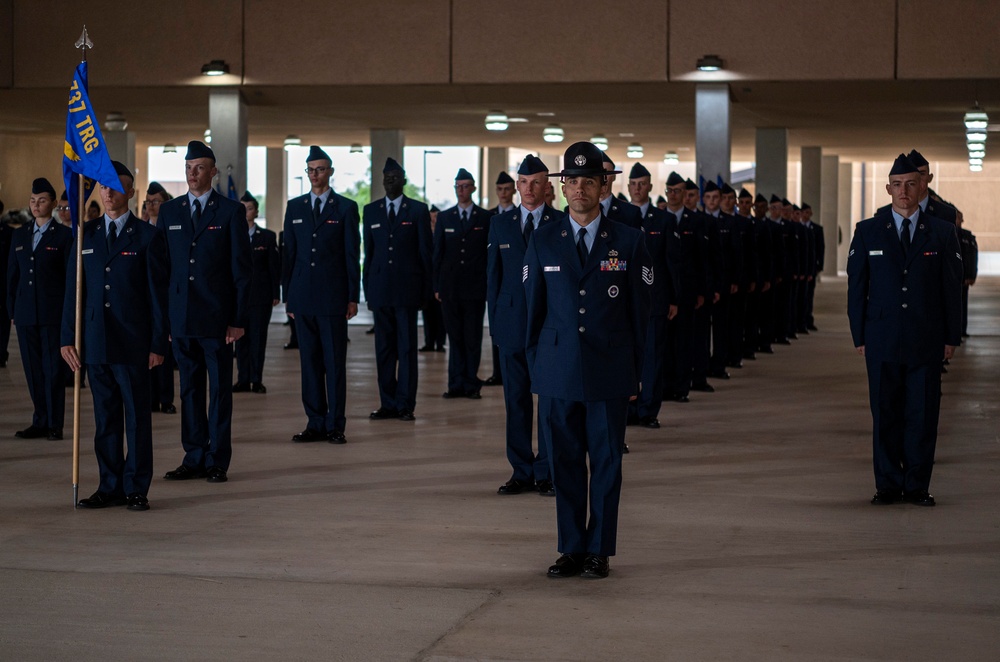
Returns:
point(319, 171)
point(152, 203)
point(62, 208)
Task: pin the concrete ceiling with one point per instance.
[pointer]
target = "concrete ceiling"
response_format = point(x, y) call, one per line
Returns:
point(856, 120)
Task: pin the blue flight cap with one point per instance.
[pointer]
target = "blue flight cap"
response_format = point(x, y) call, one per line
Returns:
point(532, 165)
point(199, 150)
point(638, 170)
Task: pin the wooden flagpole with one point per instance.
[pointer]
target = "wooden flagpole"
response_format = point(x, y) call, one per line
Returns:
point(83, 43)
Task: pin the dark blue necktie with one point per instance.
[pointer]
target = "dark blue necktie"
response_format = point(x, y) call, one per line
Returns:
point(904, 236)
point(112, 234)
point(581, 246)
point(196, 216)
point(529, 227)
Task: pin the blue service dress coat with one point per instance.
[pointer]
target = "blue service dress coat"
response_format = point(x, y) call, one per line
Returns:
point(397, 256)
point(905, 309)
point(210, 266)
point(586, 326)
point(124, 320)
point(460, 254)
point(124, 295)
point(625, 213)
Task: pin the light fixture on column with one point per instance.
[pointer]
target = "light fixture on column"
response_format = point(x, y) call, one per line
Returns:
point(671, 158)
point(215, 68)
point(634, 151)
point(599, 141)
point(976, 119)
point(356, 148)
point(170, 148)
point(710, 63)
point(553, 133)
point(115, 122)
point(496, 120)
point(292, 141)
point(208, 136)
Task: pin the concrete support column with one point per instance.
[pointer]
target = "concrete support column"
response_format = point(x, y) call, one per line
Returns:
point(841, 241)
point(277, 188)
point(227, 119)
point(812, 158)
point(386, 143)
point(772, 161)
point(713, 132)
point(496, 161)
point(121, 147)
point(829, 204)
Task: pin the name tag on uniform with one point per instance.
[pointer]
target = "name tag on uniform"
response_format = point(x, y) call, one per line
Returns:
point(174, 227)
point(296, 220)
point(376, 226)
point(503, 246)
point(550, 269)
point(449, 229)
point(874, 252)
point(85, 251)
point(19, 248)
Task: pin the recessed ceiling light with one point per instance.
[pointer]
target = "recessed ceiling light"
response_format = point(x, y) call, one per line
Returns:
point(634, 151)
point(671, 158)
point(710, 63)
point(553, 133)
point(599, 141)
point(292, 141)
point(215, 68)
point(496, 120)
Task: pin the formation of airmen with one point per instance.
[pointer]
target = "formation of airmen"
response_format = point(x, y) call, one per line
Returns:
point(584, 306)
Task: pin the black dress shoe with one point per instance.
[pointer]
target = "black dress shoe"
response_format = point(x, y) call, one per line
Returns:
point(493, 380)
point(217, 475)
point(426, 348)
point(184, 472)
point(766, 349)
point(137, 502)
point(719, 374)
point(155, 407)
point(370, 330)
point(919, 498)
point(473, 395)
point(453, 393)
point(793, 336)
point(625, 449)
point(406, 415)
point(514, 486)
point(55, 434)
point(545, 488)
point(749, 356)
point(567, 565)
point(440, 349)
point(383, 413)
point(101, 500)
point(596, 567)
point(241, 387)
point(885, 498)
point(782, 341)
point(309, 435)
point(679, 397)
point(649, 422)
point(336, 437)
point(168, 408)
point(811, 327)
point(32, 432)
point(291, 345)
point(258, 388)
point(738, 365)
point(704, 388)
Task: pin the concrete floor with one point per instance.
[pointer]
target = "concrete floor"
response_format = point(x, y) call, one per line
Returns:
point(745, 531)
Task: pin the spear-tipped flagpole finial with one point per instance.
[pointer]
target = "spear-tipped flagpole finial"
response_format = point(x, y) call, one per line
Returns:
point(84, 42)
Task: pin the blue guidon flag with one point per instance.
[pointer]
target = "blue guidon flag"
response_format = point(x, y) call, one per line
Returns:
point(84, 152)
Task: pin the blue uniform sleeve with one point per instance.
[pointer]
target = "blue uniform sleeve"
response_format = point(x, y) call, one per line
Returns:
point(352, 252)
point(241, 264)
point(857, 287)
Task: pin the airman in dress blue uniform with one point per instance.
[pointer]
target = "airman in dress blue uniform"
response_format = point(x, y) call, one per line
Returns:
point(208, 300)
point(614, 208)
point(904, 301)
point(265, 286)
point(505, 188)
point(459, 264)
point(36, 283)
point(6, 237)
point(125, 274)
point(397, 280)
point(587, 283)
point(816, 266)
point(663, 246)
point(322, 247)
point(161, 378)
point(510, 234)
